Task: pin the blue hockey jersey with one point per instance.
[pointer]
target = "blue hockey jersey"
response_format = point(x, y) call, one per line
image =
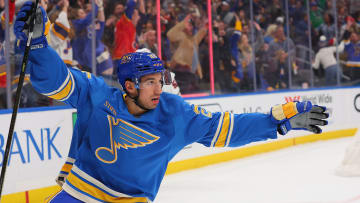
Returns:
point(119, 157)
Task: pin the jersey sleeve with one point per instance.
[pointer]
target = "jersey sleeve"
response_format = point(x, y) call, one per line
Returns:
point(51, 77)
point(225, 129)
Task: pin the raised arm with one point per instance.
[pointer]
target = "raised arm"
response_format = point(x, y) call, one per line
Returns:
point(176, 33)
point(81, 24)
point(48, 73)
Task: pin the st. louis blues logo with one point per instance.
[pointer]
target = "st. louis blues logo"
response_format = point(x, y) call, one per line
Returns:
point(125, 135)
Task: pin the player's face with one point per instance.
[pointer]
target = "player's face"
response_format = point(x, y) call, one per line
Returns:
point(150, 90)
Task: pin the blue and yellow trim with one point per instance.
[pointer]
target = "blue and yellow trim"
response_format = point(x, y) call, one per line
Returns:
point(224, 131)
point(68, 62)
point(290, 109)
point(76, 184)
point(47, 27)
point(65, 90)
point(88, 75)
point(66, 168)
point(60, 30)
point(283, 111)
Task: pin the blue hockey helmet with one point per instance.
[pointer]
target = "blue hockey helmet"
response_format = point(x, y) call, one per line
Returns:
point(133, 66)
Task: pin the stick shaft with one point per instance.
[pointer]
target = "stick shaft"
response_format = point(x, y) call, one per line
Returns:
point(17, 98)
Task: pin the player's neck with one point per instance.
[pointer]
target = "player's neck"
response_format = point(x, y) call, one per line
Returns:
point(133, 108)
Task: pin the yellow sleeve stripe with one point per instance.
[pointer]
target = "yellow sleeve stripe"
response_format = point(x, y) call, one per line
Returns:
point(68, 62)
point(47, 27)
point(66, 168)
point(290, 109)
point(196, 109)
point(231, 129)
point(217, 130)
point(224, 131)
point(65, 90)
point(98, 194)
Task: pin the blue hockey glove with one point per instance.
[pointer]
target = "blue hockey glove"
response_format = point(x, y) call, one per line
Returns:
point(41, 27)
point(299, 116)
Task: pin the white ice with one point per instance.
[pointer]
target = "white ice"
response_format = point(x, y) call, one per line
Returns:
point(300, 174)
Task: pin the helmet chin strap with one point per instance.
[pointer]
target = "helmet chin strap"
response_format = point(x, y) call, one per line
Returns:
point(136, 100)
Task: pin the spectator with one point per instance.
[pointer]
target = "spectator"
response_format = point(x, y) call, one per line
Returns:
point(325, 57)
point(341, 14)
point(350, 24)
point(277, 72)
point(222, 57)
point(270, 33)
point(82, 42)
point(301, 32)
point(275, 9)
point(185, 61)
point(2, 43)
point(352, 52)
point(315, 15)
point(3, 73)
point(61, 33)
point(117, 12)
point(125, 33)
point(297, 11)
point(328, 27)
point(242, 53)
point(149, 41)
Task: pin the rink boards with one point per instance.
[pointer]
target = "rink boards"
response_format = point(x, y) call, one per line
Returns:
point(42, 137)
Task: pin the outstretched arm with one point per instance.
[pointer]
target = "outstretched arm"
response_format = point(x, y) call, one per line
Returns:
point(225, 129)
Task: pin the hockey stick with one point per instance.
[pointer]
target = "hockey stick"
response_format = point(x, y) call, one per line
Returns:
point(17, 97)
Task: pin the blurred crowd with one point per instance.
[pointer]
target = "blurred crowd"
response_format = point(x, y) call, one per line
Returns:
point(258, 45)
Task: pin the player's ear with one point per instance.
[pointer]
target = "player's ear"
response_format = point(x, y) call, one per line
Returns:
point(130, 87)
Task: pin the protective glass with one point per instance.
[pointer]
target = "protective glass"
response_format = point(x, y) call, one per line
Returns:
point(150, 84)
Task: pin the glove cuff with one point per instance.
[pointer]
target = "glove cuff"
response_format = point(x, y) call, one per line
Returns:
point(284, 127)
point(40, 42)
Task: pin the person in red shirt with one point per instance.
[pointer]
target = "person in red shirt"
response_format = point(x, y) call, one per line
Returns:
point(125, 33)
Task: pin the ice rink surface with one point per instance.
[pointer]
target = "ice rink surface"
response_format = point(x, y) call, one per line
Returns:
point(300, 174)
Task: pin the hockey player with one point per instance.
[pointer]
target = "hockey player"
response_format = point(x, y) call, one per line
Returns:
point(172, 88)
point(125, 139)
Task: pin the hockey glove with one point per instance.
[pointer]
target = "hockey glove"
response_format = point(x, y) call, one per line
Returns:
point(299, 116)
point(41, 27)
